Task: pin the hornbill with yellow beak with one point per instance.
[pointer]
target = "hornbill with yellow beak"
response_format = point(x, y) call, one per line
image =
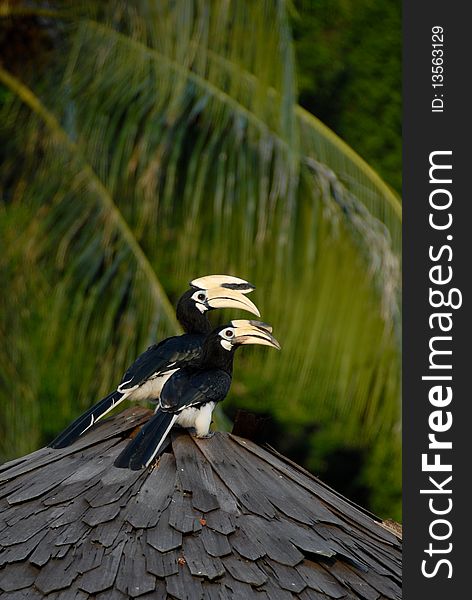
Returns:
point(189, 396)
point(146, 376)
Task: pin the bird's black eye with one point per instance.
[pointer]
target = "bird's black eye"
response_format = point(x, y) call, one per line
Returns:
point(201, 297)
point(229, 333)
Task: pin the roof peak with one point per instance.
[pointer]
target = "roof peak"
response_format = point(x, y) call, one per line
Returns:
point(218, 516)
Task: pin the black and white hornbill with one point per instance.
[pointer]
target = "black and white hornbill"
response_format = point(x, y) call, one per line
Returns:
point(189, 396)
point(146, 376)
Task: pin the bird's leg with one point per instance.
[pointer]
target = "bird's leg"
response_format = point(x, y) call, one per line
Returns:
point(203, 422)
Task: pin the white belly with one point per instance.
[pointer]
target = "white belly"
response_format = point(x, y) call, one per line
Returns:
point(151, 390)
point(200, 418)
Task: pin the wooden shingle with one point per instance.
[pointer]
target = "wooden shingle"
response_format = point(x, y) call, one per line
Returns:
point(215, 518)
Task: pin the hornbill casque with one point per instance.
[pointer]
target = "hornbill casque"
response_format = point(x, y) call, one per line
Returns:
point(146, 376)
point(189, 395)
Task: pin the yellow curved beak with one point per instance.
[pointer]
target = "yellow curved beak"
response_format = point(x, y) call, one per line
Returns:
point(254, 332)
point(225, 298)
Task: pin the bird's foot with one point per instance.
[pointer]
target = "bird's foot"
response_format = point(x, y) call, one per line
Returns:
point(154, 464)
point(205, 436)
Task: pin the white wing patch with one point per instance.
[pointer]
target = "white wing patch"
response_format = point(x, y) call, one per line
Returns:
point(123, 383)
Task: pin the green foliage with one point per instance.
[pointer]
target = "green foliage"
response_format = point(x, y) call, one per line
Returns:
point(164, 143)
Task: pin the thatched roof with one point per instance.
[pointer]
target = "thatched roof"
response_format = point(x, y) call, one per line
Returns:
point(217, 518)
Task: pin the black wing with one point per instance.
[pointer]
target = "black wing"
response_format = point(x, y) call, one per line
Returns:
point(189, 387)
point(171, 353)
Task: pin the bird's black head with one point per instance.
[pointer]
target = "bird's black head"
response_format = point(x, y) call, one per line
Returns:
point(208, 293)
point(221, 344)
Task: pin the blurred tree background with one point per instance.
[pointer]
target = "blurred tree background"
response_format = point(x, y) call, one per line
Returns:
point(349, 74)
point(145, 143)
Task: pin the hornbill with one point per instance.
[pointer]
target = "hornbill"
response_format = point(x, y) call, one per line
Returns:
point(189, 396)
point(146, 376)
